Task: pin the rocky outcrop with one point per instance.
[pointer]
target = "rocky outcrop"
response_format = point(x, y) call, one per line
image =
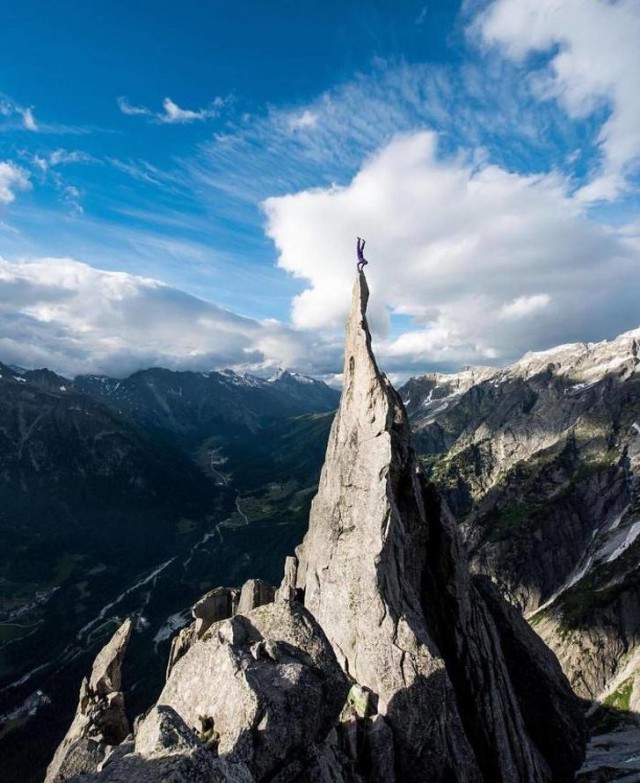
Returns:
point(384, 574)
point(100, 720)
point(398, 667)
point(254, 593)
point(287, 589)
point(219, 604)
point(167, 750)
point(267, 683)
point(253, 699)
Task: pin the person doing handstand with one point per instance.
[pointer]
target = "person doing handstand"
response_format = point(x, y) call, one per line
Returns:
point(362, 261)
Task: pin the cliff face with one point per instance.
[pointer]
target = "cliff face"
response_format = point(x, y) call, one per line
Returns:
point(381, 659)
point(383, 572)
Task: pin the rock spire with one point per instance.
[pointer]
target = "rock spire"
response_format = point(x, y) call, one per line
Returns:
point(399, 667)
point(384, 574)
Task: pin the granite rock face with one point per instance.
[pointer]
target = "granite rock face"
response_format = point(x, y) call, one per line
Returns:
point(167, 750)
point(253, 699)
point(385, 575)
point(381, 659)
point(254, 593)
point(267, 683)
point(100, 720)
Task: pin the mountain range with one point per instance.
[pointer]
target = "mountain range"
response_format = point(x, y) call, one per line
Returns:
point(380, 658)
point(540, 462)
point(209, 476)
point(131, 495)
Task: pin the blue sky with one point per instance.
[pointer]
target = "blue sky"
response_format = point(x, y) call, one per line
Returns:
point(181, 184)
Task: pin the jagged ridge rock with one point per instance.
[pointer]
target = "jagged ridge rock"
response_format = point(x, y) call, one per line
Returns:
point(384, 574)
point(167, 750)
point(268, 683)
point(100, 719)
point(540, 461)
point(216, 605)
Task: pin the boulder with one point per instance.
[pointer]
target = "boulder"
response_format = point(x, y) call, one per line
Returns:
point(167, 750)
point(287, 589)
point(267, 683)
point(254, 593)
point(218, 604)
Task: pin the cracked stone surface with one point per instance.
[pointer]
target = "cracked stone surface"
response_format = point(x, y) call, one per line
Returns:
point(100, 719)
point(269, 681)
point(385, 575)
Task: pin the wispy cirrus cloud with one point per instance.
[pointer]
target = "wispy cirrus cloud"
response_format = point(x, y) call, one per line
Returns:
point(306, 119)
point(171, 113)
point(62, 157)
point(28, 120)
point(9, 109)
point(146, 172)
point(485, 106)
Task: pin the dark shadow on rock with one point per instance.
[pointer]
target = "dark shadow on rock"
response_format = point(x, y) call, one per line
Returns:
point(549, 712)
point(409, 761)
point(489, 652)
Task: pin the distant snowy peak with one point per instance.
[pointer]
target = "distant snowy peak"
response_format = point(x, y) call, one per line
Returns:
point(237, 379)
point(583, 362)
point(191, 403)
point(434, 393)
point(285, 376)
point(43, 379)
point(581, 365)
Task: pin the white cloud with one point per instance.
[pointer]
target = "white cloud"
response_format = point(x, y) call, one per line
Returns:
point(524, 306)
point(61, 156)
point(12, 178)
point(133, 111)
point(66, 315)
point(459, 246)
point(71, 197)
point(29, 120)
point(9, 108)
point(174, 114)
point(171, 113)
point(303, 120)
point(594, 63)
